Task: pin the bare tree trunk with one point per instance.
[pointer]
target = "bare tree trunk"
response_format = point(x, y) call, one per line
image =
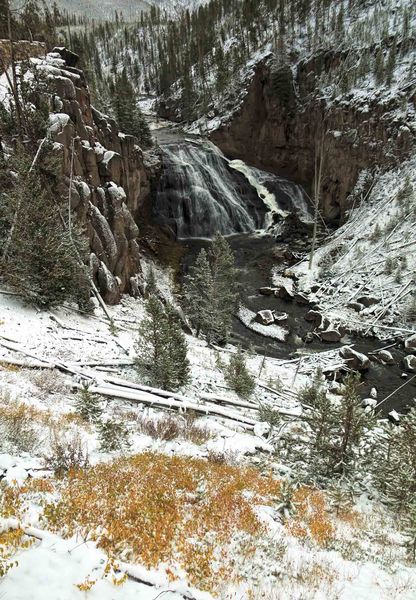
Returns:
point(15, 90)
point(317, 193)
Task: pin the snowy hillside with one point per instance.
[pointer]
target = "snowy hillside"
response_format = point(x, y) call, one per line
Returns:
point(364, 276)
point(327, 548)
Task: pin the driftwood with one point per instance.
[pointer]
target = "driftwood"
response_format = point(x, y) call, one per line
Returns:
point(395, 299)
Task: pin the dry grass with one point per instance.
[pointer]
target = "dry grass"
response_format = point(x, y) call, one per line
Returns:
point(156, 509)
point(48, 382)
point(311, 519)
point(169, 427)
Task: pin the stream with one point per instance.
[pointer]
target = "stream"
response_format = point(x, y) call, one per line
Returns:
point(201, 192)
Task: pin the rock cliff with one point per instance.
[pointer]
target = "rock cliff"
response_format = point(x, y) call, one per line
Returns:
point(359, 131)
point(110, 181)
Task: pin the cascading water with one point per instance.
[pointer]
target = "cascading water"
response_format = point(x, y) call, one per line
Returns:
point(198, 195)
point(201, 193)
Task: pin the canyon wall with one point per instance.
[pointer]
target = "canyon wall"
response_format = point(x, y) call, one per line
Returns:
point(361, 131)
point(103, 174)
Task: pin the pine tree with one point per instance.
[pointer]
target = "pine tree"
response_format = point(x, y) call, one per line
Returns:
point(88, 405)
point(340, 497)
point(352, 422)
point(198, 289)
point(336, 430)
point(210, 291)
point(127, 112)
point(379, 66)
point(391, 62)
point(395, 463)
point(238, 376)
point(40, 254)
point(113, 436)
point(225, 288)
point(161, 346)
point(151, 285)
point(410, 529)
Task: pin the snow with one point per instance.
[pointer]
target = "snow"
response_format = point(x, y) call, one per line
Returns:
point(247, 317)
point(379, 230)
point(52, 568)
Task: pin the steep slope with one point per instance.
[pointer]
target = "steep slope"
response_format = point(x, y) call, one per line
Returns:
point(103, 172)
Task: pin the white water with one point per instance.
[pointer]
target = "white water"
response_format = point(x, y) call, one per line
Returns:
point(201, 193)
point(267, 197)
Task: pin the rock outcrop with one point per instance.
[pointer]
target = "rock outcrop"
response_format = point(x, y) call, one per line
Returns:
point(110, 182)
point(359, 132)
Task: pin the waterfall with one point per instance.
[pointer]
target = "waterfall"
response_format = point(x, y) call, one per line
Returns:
point(201, 193)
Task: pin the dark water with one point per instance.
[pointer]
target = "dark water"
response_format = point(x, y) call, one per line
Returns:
point(255, 256)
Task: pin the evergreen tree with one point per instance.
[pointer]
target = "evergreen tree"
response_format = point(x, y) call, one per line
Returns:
point(40, 254)
point(210, 291)
point(126, 110)
point(395, 462)
point(391, 62)
point(225, 288)
point(198, 290)
point(161, 346)
point(238, 376)
point(336, 430)
point(88, 405)
point(379, 66)
point(113, 436)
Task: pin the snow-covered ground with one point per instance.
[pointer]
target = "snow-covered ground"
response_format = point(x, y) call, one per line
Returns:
point(364, 556)
point(365, 274)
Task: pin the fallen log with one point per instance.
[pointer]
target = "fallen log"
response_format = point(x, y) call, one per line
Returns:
point(112, 391)
point(136, 573)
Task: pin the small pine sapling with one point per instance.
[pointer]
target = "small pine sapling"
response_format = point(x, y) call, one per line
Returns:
point(238, 376)
point(113, 436)
point(88, 405)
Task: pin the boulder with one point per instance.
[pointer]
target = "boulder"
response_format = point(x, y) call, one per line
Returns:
point(284, 293)
point(410, 344)
point(330, 335)
point(394, 417)
point(280, 317)
point(265, 317)
point(385, 357)
point(267, 291)
point(308, 338)
point(355, 360)
point(357, 306)
point(301, 298)
point(368, 300)
point(369, 403)
point(409, 363)
point(314, 316)
point(261, 429)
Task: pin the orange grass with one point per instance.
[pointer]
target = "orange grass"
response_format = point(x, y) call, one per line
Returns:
point(311, 518)
point(157, 509)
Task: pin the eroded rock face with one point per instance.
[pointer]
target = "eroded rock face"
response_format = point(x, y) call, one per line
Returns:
point(268, 133)
point(110, 181)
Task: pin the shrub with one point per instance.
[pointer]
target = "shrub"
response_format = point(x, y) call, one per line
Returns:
point(48, 381)
point(168, 428)
point(113, 436)
point(155, 509)
point(67, 452)
point(18, 432)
